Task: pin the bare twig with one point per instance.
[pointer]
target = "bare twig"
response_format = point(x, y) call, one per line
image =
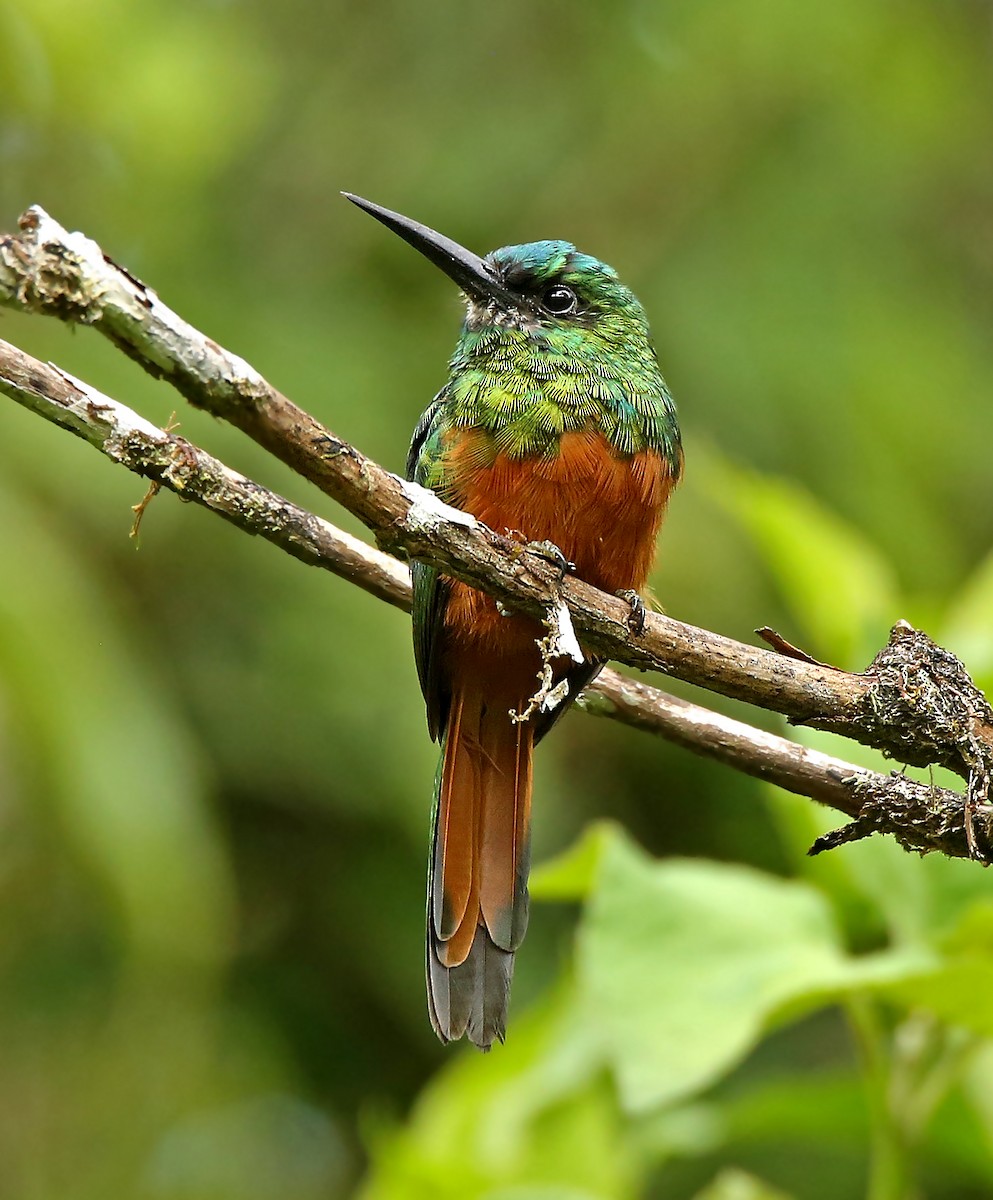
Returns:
point(776, 640)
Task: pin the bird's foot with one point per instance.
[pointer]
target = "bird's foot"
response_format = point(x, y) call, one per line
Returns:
point(551, 553)
point(638, 613)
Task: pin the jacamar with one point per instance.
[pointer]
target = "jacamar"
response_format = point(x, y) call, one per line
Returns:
point(555, 426)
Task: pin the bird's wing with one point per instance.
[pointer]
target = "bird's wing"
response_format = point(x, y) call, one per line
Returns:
point(424, 441)
point(430, 600)
point(430, 590)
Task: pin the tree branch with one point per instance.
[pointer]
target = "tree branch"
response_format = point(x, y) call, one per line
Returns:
point(915, 702)
point(919, 816)
point(934, 819)
point(168, 459)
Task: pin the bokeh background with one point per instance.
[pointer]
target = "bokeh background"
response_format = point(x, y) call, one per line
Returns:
point(214, 775)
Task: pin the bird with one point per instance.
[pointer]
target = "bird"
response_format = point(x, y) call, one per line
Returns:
point(555, 426)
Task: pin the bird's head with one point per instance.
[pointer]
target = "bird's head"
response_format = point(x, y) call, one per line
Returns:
point(547, 289)
point(552, 342)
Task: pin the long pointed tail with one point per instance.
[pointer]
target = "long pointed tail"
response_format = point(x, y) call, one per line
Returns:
point(477, 877)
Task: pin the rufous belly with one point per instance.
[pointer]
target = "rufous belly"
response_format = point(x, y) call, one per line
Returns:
point(601, 510)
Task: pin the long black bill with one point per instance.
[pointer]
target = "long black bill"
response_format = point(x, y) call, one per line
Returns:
point(473, 274)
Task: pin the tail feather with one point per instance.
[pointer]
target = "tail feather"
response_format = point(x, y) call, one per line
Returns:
point(477, 885)
point(471, 998)
point(459, 803)
point(455, 832)
point(505, 858)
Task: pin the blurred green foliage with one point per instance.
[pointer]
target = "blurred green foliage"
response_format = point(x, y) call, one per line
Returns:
point(214, 776)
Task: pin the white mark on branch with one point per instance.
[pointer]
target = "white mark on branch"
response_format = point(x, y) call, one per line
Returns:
point(122, 420)
point(556, 696)
point(71, 268)
point(428, 513)
point(560, 642)
point(542, 700)
point(565, 644)
point(50, 237)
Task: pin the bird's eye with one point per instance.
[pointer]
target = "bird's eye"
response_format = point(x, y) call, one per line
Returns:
point(559, 300)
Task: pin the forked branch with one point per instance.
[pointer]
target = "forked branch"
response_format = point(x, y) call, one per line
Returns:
point(915, 701)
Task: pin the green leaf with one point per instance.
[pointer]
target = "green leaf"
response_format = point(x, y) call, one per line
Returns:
point(959, 992)
point(534, 1118)
point(739, 1185)
point(968, 626)
point(958, 987)
point(530, 1191)
point(685, 963)
point(841, 591)
point(571, 874)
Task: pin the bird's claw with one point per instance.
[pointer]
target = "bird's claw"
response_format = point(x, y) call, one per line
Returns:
point(551, 553)
point(638, 613)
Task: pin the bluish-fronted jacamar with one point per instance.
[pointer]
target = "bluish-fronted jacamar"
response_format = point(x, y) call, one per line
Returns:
point(555, 425)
